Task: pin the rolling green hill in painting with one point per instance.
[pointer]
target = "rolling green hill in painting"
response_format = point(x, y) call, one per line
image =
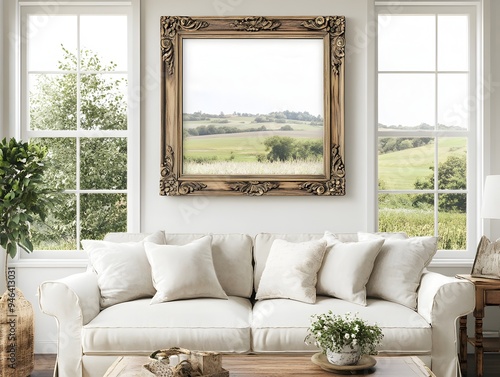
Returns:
point(241, 144)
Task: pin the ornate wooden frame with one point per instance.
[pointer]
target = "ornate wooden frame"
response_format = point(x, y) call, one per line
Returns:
point(331, 29)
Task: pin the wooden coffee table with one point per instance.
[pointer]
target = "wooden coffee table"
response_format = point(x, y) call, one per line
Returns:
point(279, 365)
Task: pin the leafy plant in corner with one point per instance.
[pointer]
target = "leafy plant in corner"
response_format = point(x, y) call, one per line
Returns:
point(333, 332)
point(24, 195)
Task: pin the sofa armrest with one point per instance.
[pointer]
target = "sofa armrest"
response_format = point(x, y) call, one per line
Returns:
point(441, 301)
point(74, 302)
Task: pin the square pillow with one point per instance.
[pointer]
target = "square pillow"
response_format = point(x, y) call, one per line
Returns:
point(398, 269)
point(123, 270)
point(183, 272)
point(487, 261)
point(291, 270)
point(346, 268)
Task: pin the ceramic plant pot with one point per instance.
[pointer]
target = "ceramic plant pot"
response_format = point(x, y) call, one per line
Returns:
point(347, 356)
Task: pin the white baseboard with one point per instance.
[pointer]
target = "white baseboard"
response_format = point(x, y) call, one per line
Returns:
point(45, 346)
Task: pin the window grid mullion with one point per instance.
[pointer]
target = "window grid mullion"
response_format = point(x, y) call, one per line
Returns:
point(83, 72)
point(80, 133)
point(436, 184)
point(419, 72)
point(436, 122)
point(78, 128)
point(444, 191)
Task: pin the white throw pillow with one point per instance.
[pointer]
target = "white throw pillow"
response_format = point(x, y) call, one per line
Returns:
point(346, 268)
point(291, 270)
point(123, 270)
point(398, 269)
point(182, 272)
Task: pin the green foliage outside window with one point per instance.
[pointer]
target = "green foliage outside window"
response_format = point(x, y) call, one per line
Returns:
point(413, 213)
point(102, 161)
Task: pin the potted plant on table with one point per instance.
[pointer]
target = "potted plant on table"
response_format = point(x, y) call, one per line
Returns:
point(24, 197)
point(343, 338)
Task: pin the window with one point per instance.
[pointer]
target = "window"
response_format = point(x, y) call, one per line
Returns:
point(427, 124)
point(77, 71)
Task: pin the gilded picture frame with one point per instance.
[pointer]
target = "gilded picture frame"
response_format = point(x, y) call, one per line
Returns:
point(239, 106)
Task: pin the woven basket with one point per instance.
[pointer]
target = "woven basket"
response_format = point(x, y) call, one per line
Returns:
point(197, 361)
point(17, 357)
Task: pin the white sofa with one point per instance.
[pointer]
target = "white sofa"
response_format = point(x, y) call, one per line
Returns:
point(90, 339)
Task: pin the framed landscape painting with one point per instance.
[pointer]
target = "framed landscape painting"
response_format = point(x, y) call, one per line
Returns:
point(252, 106)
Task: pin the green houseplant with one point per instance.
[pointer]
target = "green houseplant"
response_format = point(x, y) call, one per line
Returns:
point(24, 197)
point(23, 193)
point(343, 338)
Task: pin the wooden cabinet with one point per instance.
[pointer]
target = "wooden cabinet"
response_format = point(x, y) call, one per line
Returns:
point(487, 294)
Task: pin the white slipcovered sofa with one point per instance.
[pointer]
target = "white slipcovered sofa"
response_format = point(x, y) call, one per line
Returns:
point(90, 337)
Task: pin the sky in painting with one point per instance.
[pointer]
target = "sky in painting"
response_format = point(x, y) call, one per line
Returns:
point(255, 76)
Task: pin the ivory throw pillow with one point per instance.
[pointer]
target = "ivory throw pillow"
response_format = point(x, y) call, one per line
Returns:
point(346, 268)
point(291, 270)
point(123, 270)
point(182, 272)
point(398, 269)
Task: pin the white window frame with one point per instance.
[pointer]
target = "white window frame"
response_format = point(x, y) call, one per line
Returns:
point(131, 9)
point(474, 135)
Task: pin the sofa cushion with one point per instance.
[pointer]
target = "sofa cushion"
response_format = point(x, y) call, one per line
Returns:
point(291, 270)
point(138, 327)
point(274, 329)
point(264, 241)
point(398, 268)
point(232, 256)
point(123, 271)
point(182, 272)
point(346, 268)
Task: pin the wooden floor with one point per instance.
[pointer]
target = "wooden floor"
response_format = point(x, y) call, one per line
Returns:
point(44, 365)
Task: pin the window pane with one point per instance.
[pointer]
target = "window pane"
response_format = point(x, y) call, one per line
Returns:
point(52, 101)
point(453, 43)
point(452, 171)
point(103, 102)
point(48, 37)
point(406, 43)
point(412, 214)
point(452, 222)
point(75, 78)
point(453, 101)
point(103, 163)
point(406, 100)
point(106, 37)
point(404, 163)
point(61, 169)
point(58, 231)
point(102, 213)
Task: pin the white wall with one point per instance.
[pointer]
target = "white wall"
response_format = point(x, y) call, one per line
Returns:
point(250, 214)
point(2, 70)
point(265, 214)
point(494, 91)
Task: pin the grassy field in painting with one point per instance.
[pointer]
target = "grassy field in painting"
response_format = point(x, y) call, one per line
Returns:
point(242, 153)
point(295, 167)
